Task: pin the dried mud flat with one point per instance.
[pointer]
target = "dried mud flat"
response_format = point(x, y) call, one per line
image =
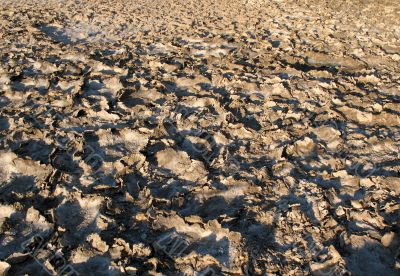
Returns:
point(199, 137)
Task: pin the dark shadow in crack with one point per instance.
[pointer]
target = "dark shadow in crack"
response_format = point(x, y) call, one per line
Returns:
point(19, 184)
point(37, 150)
point(4, 124)
point(4, 101)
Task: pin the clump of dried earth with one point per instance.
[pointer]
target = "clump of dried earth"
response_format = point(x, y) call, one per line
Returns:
point(240, 137)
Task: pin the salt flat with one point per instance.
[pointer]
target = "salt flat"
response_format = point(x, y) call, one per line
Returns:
point(244, 137)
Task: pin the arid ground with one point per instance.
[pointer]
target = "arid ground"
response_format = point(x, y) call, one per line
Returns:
point(173, 137)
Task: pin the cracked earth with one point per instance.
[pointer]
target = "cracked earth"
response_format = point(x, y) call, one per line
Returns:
point(243, 137)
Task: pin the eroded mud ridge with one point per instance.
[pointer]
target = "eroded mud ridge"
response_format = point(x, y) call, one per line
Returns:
point(199, 137)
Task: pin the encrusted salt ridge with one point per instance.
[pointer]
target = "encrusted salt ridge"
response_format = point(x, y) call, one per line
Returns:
point(243, 137)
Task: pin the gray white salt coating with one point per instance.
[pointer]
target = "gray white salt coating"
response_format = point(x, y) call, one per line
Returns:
point(179, 163)
point(261, 137)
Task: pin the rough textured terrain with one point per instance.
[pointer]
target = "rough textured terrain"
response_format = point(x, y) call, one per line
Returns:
point(199, 137)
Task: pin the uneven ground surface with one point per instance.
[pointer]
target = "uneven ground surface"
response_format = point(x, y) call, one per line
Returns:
point(199, 137)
